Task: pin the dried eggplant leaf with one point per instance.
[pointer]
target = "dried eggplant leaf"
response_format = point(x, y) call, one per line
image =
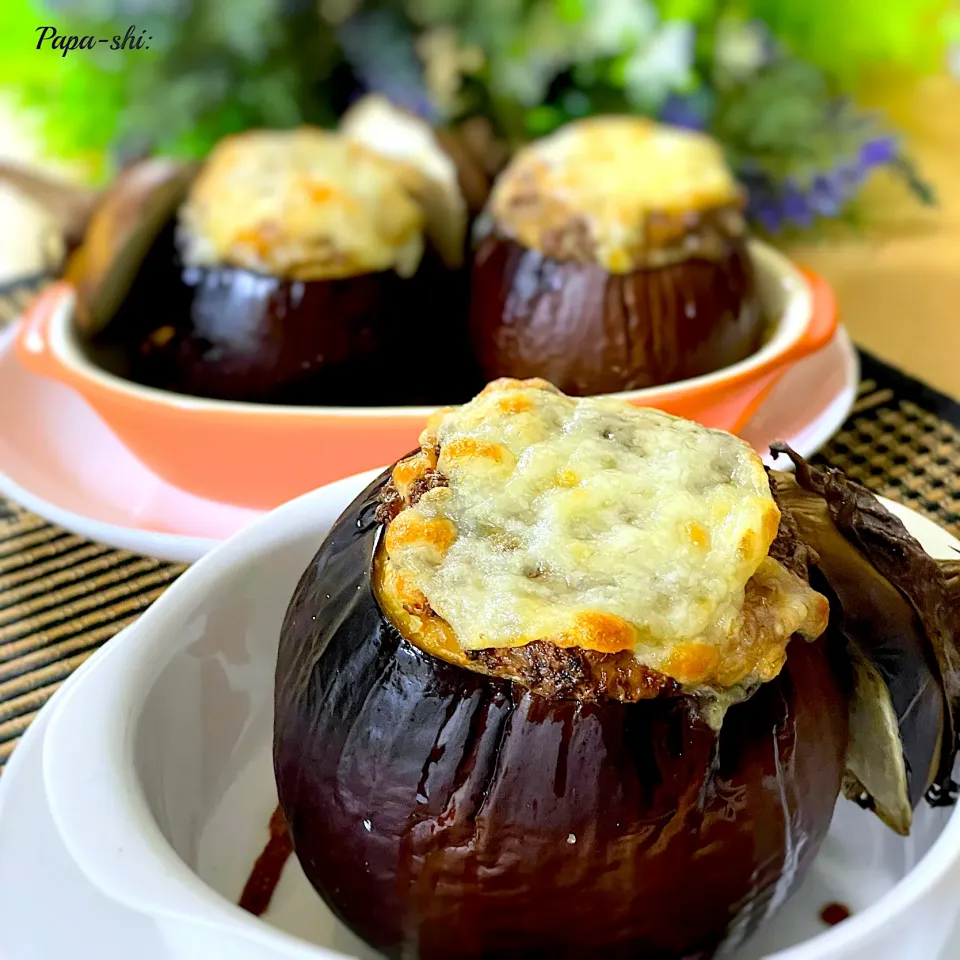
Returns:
point(895, 603)
point(122, 230)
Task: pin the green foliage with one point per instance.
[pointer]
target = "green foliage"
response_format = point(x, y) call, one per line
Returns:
point(777, 121)
point(224, 70)
point(217, 67)
point(841, 37)
point(78, 101)
point(212, 69)
point(547, 61)
point(699, 12)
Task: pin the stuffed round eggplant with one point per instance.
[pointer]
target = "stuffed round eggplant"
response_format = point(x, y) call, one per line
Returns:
point(558, 685)
point(613, 257)
point(293, 270)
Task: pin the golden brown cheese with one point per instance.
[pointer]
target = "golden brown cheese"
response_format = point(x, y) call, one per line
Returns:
point(302, 204)
point(594, 524)
point(595, 183)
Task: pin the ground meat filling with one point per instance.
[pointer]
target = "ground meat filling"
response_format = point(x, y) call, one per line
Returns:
point(390, 506)
point(421, 485)
point(392, 502)
point(573, 672)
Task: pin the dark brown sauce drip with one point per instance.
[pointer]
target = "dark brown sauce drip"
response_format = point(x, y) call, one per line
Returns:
point(834, 913)
point(265, 874)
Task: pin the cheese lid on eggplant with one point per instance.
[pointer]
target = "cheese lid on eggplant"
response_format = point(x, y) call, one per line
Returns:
point(612, 190)
point(302, 204)
point(591, 523)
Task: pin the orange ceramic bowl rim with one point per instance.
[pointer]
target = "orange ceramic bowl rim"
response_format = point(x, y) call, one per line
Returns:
point(47, 344)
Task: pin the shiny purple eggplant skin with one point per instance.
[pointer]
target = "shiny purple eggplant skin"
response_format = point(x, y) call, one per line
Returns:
point(445, 814)
point(589, 331)
point(249, 337)
point(227, 333)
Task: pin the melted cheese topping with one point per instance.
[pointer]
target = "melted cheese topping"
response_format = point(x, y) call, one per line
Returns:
point(301, 204)
point(592, 523)
point(590, 188)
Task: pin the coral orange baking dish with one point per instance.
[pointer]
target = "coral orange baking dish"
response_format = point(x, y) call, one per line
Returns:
point(260, 455)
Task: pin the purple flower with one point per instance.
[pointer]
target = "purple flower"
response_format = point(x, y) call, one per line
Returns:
point(824, 198)
point(775, 205)
point(683, 112)
point(796, 209)
point(776, 201)
point(769, 217)
point(878, 151)
point(381, 53)
point(763, 206)
point(850, 177)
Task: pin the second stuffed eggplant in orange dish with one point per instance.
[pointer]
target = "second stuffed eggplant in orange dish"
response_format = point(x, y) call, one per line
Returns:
point(292, 270)
point(613, 256)
point(582, 679)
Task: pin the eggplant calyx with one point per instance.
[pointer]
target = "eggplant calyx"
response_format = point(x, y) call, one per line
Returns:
point(121, 233)
point(411, 141)
point(876, 776)
point(948, 793)
point(900, 607)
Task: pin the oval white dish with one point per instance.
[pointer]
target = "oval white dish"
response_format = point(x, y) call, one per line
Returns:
point(92, 926)
point(48, 908)
point(158, 775)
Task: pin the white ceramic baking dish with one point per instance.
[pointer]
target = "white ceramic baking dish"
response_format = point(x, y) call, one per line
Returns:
point(158, 774)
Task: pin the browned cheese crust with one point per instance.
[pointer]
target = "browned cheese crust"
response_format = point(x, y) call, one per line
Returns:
point(543, 667)
point(622, 192)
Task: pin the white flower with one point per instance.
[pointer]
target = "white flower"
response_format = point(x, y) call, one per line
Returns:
point(662, 65)
point(547, 45)
point(740, 49)
point(616, 26)
point(527, 80)
point(445, 62)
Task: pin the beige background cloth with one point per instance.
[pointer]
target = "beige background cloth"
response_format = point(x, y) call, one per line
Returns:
point(898, 282)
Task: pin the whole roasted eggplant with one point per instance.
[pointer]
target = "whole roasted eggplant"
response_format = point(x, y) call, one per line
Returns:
point(231, 334)
point(464, 804)
point(446, 814)
point(612, 257)
point(300, 267)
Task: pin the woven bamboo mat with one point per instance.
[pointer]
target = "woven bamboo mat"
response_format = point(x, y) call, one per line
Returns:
point(61, 596)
